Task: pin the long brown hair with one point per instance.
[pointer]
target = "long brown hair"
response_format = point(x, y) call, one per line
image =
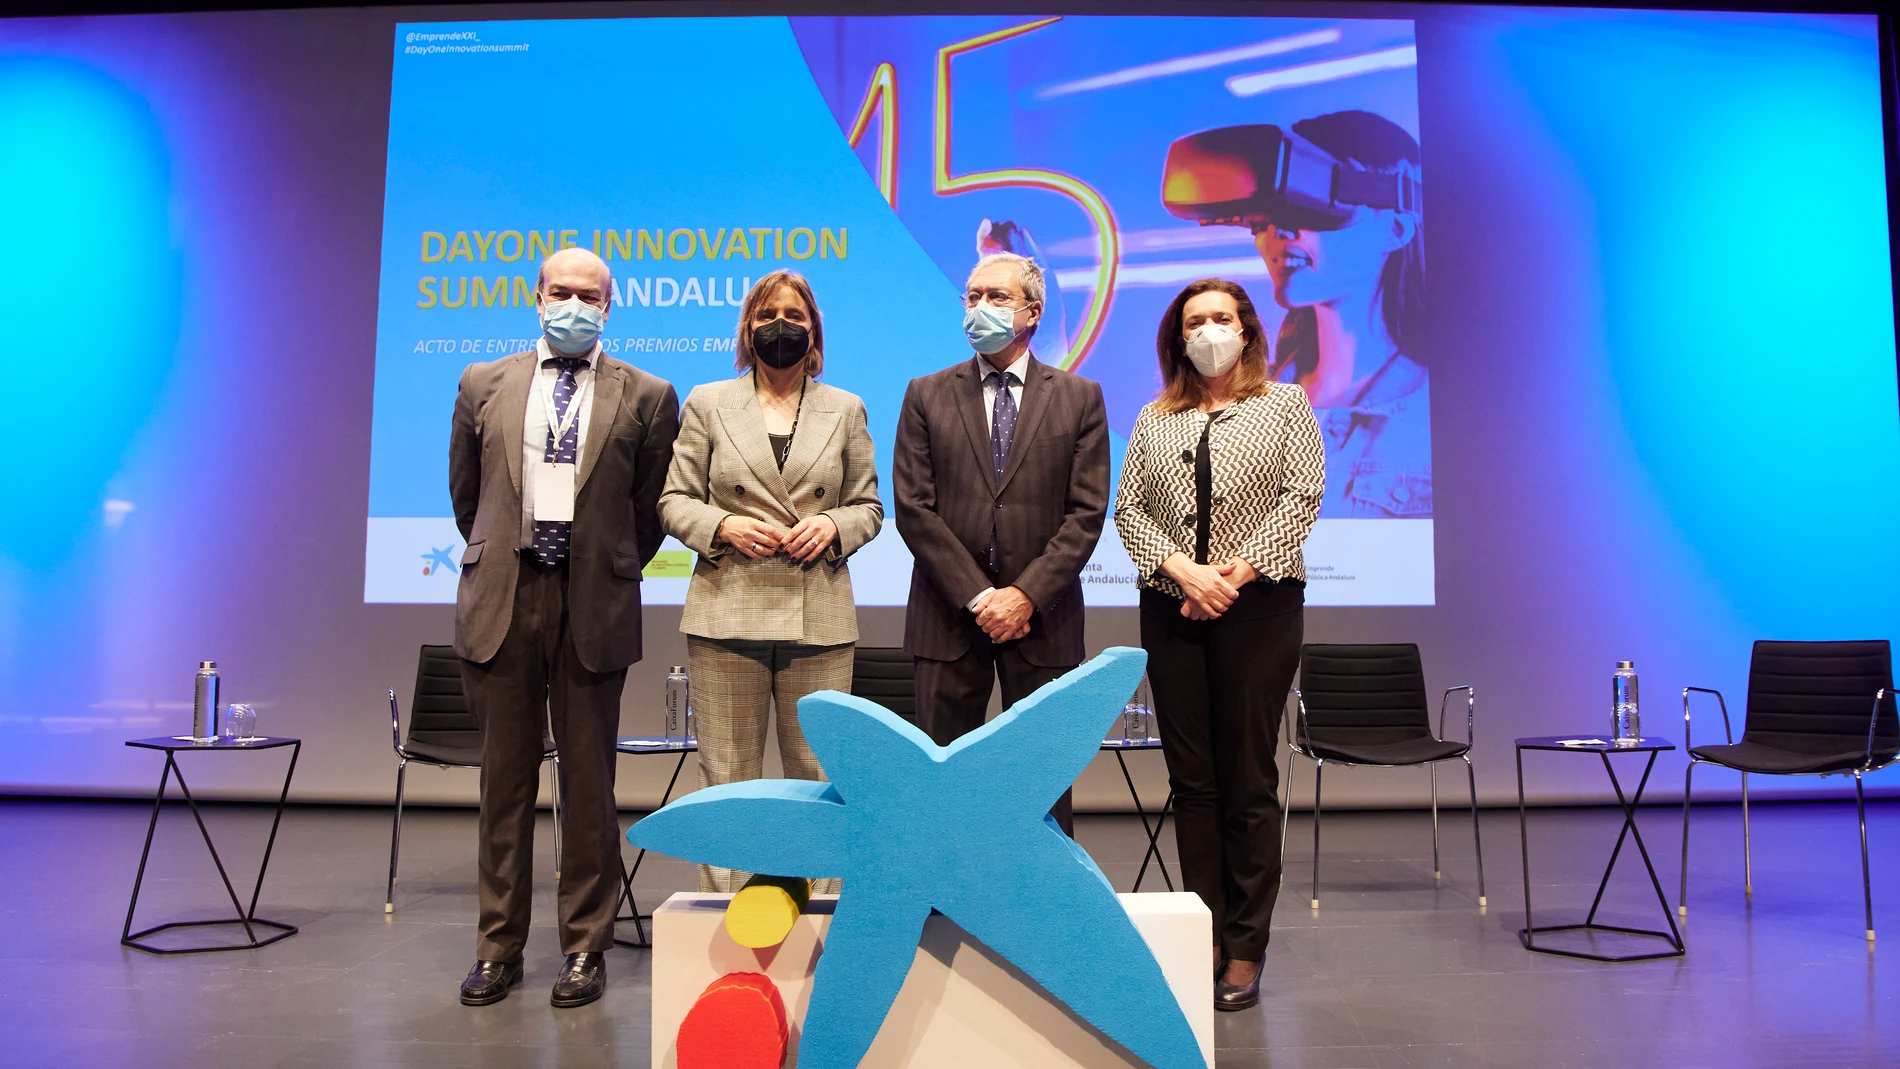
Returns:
point(1182, 387)
point(743, 356)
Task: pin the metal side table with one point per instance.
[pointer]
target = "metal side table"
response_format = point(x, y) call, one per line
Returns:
point(1119, 747)
point(1650, 745)
point(642, 745)
point(172, 746)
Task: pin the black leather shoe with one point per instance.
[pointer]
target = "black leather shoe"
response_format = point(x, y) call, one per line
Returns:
point(1236, 996)
point(488, 982)
point(582, 980)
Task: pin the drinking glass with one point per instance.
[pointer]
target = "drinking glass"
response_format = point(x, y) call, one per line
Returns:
point(240, 722)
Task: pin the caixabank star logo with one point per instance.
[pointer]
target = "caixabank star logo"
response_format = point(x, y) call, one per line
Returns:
point(438, 560)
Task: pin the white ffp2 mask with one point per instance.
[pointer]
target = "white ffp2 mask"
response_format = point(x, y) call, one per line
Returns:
point(1213, 348)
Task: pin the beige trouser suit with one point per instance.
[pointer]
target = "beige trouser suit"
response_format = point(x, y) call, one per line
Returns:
point(765, 633)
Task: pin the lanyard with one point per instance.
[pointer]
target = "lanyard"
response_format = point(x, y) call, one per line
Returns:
point(582, 390)
point(797, 414)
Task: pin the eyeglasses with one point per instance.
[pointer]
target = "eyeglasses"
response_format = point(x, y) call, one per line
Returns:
point(997, 298)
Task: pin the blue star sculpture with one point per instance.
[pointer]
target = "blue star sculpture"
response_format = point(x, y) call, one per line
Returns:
point(963, 829)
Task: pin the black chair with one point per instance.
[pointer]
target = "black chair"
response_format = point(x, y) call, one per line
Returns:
point(885, 675)
point(1365, 705)
point(647, 746)
point(443, 732)
point(1814, 709)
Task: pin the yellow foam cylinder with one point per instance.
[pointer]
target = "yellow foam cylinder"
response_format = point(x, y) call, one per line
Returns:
point(762, 913)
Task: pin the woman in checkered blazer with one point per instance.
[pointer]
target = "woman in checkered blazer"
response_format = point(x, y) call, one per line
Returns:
point(774, 485)
point(1219, 488)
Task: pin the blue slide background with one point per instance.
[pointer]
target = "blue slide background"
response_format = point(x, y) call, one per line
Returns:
point(705, 125)
point(763, 143)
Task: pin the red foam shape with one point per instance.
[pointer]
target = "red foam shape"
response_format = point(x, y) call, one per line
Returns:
point(738, 1022)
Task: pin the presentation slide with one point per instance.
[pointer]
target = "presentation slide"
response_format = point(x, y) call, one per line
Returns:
point(880, 157)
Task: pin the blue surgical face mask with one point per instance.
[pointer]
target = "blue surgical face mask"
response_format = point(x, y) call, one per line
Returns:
point(571, 326)
point(989, 328)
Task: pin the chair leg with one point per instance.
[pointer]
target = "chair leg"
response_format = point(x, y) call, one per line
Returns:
point(1437, 869)
point(1319, 772)
point(395, 837)
point(1866, 880)
point(1286, 799)
point(1682, 893)
point(557, 817)
point(1748, 860)
point(1477, 840)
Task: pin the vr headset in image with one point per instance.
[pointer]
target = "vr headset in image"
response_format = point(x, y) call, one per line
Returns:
point(1255, 174)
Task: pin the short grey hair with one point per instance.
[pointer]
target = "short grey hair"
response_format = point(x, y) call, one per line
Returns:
point(1028, 275)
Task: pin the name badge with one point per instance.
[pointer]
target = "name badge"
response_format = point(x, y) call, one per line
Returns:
point(554, 492)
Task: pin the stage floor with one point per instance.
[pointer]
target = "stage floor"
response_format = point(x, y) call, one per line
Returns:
point(1389, 972)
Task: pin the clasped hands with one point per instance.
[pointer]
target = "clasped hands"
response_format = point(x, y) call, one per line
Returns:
point(1210, 588)
point(759, 540)
point(1004, 614)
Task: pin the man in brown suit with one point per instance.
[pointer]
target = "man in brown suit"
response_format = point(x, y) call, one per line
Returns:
point(556, 460)
point(1001, 473)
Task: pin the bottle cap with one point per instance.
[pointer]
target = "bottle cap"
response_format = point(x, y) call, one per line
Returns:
point(1620, 665)
point(207, 666)
point(678, 669)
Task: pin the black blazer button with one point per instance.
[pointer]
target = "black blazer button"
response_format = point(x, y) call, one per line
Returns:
point(740, 490)
point(1187, 521)
point(818, 493)
point(1187, 456)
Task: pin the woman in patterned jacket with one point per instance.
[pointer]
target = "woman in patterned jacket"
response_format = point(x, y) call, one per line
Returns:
point(1220, 485)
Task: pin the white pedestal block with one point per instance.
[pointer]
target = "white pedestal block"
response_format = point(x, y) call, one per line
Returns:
point(961, 1005)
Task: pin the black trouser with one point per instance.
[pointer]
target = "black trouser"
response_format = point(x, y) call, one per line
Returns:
point(953, 698)
point(1219, 690)
point(534, 678)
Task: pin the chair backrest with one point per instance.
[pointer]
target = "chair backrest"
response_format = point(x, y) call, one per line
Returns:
point(1815, 697)
point(885, 675)
point(440, 715)
point(1359, 694)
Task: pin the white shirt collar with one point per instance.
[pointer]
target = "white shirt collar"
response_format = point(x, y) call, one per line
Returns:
point(1020, 368)
point(543, 353)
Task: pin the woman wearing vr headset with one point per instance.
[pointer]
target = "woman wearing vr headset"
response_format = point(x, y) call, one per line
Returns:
point(1353, 288)
point(1220, 486)
point(774, 485)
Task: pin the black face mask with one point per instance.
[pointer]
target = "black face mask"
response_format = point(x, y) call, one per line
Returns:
point(781, 343)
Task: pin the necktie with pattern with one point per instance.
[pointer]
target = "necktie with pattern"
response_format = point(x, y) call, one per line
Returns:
point(1002, 433)
point(551, 536)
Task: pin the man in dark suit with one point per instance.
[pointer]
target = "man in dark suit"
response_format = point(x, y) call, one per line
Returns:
point(556, 461)
point(1001, 469)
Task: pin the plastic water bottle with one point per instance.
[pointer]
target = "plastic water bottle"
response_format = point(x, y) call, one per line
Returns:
point(1628, 722)
point(1138, 715)
point(678, 703)
point(1134, 723)
point(204, 701)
